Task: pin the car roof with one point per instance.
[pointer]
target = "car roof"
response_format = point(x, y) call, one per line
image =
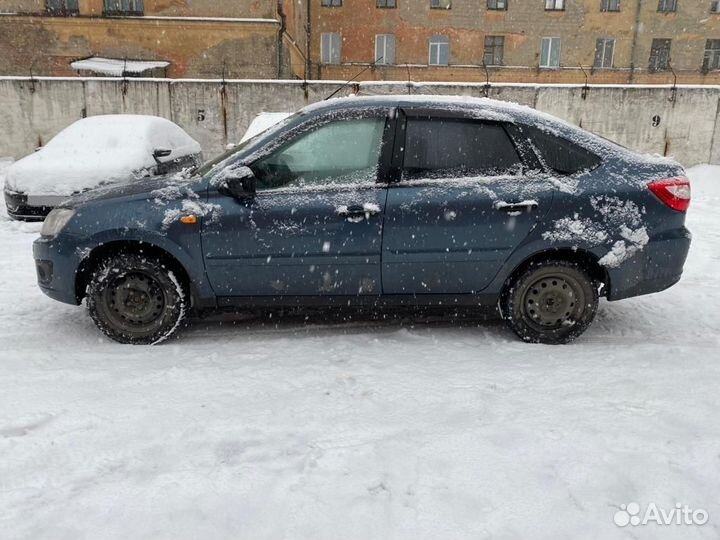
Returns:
point(477, 107)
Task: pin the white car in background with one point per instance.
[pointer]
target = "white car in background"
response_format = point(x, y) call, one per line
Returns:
point(262, 122)
point(96, 151)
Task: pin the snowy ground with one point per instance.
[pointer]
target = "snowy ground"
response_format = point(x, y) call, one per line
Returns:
point(363, 430)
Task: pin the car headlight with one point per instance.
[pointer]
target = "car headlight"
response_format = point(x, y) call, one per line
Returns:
point(56, 221)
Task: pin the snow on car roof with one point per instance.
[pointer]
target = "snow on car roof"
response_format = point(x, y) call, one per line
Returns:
point(96, 150)
point(263, 121)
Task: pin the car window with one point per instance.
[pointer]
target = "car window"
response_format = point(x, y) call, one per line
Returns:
point(560, 154)
point(448, 147)
point(337, 153)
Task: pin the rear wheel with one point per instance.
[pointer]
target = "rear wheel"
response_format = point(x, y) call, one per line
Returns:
point(136, 299)
point(550, 302)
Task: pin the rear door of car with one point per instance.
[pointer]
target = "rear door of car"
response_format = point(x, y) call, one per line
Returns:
point(469, 193)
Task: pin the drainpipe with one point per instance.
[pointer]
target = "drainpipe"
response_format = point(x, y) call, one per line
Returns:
point(633, 59)
point(308, 41)
point(281, 32)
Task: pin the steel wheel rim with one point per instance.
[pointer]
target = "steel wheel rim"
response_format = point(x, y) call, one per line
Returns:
point(135, 300)
point(553, 302)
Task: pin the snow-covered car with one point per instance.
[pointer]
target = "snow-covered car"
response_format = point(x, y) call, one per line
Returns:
point(263, 122)
point(375, 202)
point(96, 151)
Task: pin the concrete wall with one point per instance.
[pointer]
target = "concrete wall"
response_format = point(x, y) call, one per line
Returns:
point(32, 111)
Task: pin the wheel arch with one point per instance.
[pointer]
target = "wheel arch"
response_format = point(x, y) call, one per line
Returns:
point(106, 249)
point(587, 259)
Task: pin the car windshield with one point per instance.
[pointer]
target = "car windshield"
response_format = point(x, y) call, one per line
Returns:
point(208, 166)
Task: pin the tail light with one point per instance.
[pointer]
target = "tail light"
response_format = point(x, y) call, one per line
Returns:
point(675, 192)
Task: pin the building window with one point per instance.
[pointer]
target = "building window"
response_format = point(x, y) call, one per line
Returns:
point(123, 7)
point(494, 46)
point(660, 55)
point(385, 3)
point(330, 47)
point(667, 6)
point(712, 55)
point(331, 3)
point(440, 4)
point(385, 49)
point(715, 6)
point(604, 53)
point(62, 7)
point(554, 5)
point(550, 53)
point(609, 5)
point(497, 4)
point(439, 51)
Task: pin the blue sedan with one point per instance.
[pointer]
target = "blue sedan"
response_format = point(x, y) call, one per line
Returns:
point(380, 201)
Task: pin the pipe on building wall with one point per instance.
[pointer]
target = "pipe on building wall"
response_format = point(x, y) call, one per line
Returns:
point(633, 52)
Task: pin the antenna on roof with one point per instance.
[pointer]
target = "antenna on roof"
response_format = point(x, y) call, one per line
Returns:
point(355, 77)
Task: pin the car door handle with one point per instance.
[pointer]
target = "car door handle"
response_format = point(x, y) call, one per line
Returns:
point(521, 206)
point(358, 212)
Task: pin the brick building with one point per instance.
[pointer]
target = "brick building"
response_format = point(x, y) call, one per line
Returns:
point(601, 41)
point(609, 41)
point(175, 38)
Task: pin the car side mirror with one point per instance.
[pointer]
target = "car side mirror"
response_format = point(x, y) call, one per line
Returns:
point(161, 153)
point(241, 183)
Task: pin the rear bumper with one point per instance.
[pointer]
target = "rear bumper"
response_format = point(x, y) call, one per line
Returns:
point(658, 266)
point(56, 262)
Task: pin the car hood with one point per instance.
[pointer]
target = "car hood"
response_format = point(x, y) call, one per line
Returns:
point(148, 187)
point(63, 172)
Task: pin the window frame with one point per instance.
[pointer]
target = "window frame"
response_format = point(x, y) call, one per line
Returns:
point(329, 61)
point(552, 39)
point(523, 133)
point(527, 159)
point(439, 44)
point(610, 6)
point(552, 5)
point(711, 56)
point(605, 40)
point(653, 61)
point(384, 61)
point(385, 171)
point(120, 11)
point(385, 4)
point(492, 5)
point(331, 3)
point(667, 6)
point(65, 10)
point(438, 4)
point(715, 6)
point(493, 50)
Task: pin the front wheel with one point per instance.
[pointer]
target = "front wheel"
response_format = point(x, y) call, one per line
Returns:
point(136, 299)
point(550, 302)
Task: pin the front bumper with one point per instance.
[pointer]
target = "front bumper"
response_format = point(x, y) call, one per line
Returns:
point(57, 261)
point(658, 266)
point(25, 207)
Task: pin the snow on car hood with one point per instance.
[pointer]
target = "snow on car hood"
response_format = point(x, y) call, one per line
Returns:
point(99, 150)
point(65, 171)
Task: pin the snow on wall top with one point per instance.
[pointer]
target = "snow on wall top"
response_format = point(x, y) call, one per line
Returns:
point(116, 67)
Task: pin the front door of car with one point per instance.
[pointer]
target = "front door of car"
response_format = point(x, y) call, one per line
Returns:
point(467, 197)
point(314, 225)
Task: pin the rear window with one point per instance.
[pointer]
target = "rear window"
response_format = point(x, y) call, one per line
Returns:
point(559, 154)
point(448, 147)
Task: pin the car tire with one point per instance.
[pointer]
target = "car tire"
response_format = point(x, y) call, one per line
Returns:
point(551, 301)
point(136, 299)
